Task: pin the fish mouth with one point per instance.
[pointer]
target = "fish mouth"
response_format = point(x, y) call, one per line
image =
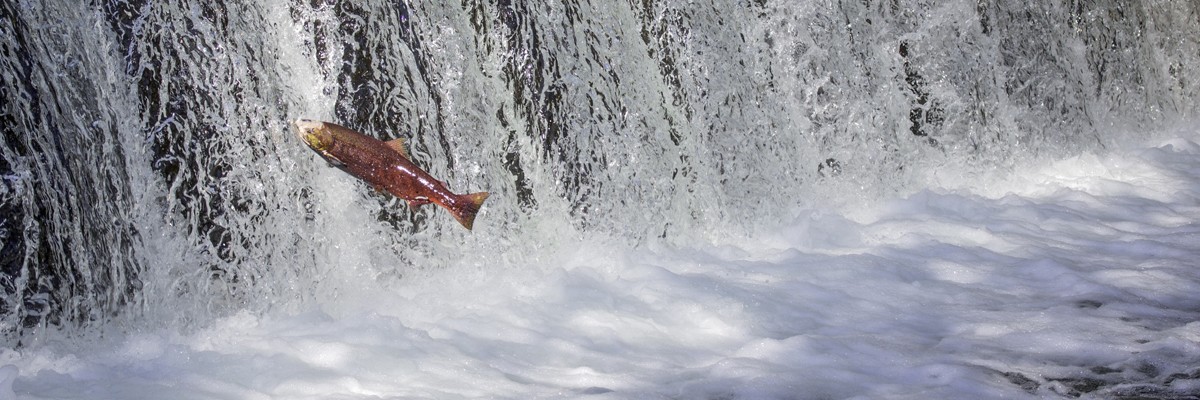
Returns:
point(304, 128)
point(314, 134)
point(310, 132)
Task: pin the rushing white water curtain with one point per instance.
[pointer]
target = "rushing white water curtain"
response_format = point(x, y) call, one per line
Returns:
point(69, 168)
point(148, 166)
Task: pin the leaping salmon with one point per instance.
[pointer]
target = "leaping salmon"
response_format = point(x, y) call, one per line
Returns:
point(387, 167)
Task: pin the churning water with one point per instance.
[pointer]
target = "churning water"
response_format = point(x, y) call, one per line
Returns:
point(148, 176)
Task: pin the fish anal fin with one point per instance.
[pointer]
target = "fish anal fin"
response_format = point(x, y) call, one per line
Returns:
point(398, 145)
point(417, 202)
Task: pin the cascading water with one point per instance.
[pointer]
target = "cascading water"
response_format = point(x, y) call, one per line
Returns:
point(149, 173)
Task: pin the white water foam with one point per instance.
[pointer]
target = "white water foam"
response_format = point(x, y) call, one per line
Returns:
point(1074, 278)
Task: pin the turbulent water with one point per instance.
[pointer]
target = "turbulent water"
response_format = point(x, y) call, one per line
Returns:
point(148, 176)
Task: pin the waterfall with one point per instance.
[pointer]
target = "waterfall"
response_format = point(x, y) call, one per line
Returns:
point(148, 174)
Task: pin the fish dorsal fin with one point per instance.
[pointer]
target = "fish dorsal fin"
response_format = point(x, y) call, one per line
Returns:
point(398, 145)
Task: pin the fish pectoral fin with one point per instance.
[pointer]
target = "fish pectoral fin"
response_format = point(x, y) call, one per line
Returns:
point(398, 145)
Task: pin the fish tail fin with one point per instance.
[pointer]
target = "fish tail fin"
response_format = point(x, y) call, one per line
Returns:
point(470, 204)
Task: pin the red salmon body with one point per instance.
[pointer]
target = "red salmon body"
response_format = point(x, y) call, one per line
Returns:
point(386, 167)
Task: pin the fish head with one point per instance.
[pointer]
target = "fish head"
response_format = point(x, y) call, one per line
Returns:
point(313, 133)
point(317, 136)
